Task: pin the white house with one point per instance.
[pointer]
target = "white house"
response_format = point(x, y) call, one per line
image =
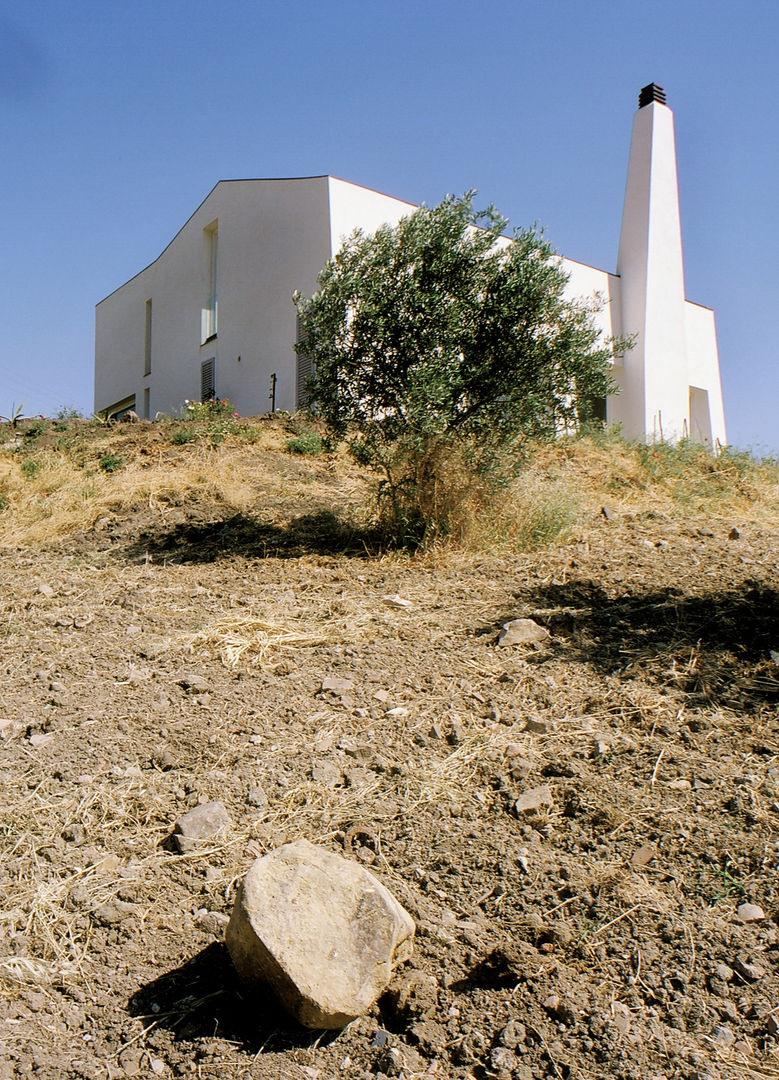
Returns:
point(213, 314)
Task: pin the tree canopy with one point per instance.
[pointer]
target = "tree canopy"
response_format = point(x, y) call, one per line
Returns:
point(440, 329)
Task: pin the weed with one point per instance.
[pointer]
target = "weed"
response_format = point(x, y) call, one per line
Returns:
point(111, 462)
point(68, 412)
point(181, 436)
point(30, 467)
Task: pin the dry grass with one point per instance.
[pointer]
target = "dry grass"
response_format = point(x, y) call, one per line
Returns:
point(51, 487)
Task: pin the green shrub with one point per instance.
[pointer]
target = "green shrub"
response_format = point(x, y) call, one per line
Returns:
point(111, 462)
point(308, 442)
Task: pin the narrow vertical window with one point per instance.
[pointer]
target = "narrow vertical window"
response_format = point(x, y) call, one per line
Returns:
point(146, 402)
point(147, 341)
point(209, 314)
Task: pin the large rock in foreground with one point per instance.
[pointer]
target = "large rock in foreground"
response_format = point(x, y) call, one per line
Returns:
point(320, 930)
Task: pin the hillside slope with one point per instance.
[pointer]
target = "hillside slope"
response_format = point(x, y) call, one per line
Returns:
point(170, 610)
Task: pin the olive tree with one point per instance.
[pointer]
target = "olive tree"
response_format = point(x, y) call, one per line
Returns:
point(440, 347)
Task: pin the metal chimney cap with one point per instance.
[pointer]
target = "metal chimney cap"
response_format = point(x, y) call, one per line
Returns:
point(651, 93)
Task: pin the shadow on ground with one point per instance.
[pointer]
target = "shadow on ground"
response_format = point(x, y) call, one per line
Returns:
point(715, 647)
point(203, 999)
point(321, 533)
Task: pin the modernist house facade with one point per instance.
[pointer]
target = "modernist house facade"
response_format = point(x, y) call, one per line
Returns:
point(213, 314)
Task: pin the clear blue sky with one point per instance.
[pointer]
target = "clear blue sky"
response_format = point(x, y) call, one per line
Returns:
point(118, 118)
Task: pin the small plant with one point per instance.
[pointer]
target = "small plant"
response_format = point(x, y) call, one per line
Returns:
point(111, 462)
point(183, 435)
point(16, 415)
point(30, 467)
point(308, 442)
point(211, 409)
point(36, 428)
point(68, 412)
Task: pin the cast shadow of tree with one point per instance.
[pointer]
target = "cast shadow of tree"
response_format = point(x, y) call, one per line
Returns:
point(204, 999)
point(715, 647)
point(320, 533)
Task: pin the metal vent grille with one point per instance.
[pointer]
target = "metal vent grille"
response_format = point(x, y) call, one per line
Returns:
point(305, 371)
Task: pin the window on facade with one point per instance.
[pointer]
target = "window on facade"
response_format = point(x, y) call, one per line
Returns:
point(305, 370)
point(208, 379)
point(147, 341)
point(146, 402)
point(209, 313)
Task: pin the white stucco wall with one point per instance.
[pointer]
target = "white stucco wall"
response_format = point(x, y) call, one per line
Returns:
point(703, 367)
point(353, 207)
point(273, 238)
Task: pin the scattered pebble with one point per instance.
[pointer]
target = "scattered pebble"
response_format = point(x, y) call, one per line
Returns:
point(200, 826)
point(523, 632)
point(750, 913)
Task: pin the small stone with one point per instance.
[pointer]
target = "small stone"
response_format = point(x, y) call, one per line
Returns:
point(680, 784)
point(162, 758)
point(40, 738)
point(382, 696)
point(532, 801)
point(512, 1034)
point(212, 922)
point(750, 913)
point(193, 684)
point(74, 834)
point(723, 1035)
point(131, 1060)
point(334, 685)
point(772, 1025)
point(607, 513)
point(734, 534)
point(742, 1047)
point(257, 797)
point(750, 972)
point(536, 726)
point(324, 771)
point(200, 826)
point(722, 971)
point(643, 856)
point(397, 601)
point(45, 590)
point(523, 632)
point(503, 1061)
point(457, 732)
point(321, 930)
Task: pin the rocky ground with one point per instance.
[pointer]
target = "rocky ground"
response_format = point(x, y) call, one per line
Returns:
point(575, 826)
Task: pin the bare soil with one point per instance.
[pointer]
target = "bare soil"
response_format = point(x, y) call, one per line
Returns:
point(152, 664)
